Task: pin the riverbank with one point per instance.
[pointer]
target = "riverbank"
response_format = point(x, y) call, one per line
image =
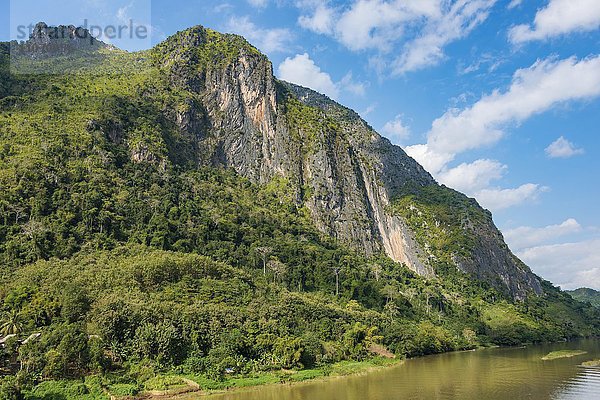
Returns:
point(494, 374)
point(207, 387)
point(189, 386)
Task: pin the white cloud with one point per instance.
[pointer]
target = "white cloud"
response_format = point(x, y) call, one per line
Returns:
point(418, 29)
point(258, 3)
point(223, 8)
point(514, 3)
point(267, 40)
point(368, 110)
point(396, 130)
point(458, 22)
point(569, 265)
point(322, 20)
point(562, 148)
point(526, 237)
point(433, 161)
point(349, 85)
point(559, 17)
point(487, 60)
point(473, 177)
point(495, 199)
point(123, 13)
point(303, 71)
point(533, 90)
point(372, 24)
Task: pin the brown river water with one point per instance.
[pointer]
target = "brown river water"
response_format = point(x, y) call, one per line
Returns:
point(489, 374)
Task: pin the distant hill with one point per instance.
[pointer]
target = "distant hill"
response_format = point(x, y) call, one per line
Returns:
point(586, 295)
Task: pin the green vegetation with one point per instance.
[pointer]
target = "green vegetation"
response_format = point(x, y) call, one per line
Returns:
point(555, 355)
point(137, 267)
point(442, 219)
point(309, 124)
point(586, 295)
point(593, 363)
point(207, 48)
point(342, 368)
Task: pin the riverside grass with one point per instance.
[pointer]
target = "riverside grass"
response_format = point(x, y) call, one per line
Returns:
point(326, 372)
point(592, 363)
point(555, 355)
point(173, 385)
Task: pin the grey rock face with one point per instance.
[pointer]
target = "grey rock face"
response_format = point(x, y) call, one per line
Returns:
point(493, 262)
point(50, 41)
point(344, 172)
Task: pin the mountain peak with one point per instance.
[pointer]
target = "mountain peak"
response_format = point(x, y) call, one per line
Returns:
point(206, 47)
point(51, 41)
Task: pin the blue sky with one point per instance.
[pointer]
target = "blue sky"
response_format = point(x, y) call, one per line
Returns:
point(497, 98)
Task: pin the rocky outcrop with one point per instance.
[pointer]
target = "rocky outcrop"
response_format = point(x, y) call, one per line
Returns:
point(345, 173)
point(51, 41)
point(492, 261)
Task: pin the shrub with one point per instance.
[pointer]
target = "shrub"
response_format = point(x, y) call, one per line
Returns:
point(9, 389)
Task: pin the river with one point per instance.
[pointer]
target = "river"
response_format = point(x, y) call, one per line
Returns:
point(488, 374)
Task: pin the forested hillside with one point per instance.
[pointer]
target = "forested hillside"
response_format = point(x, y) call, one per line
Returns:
point(586, 295)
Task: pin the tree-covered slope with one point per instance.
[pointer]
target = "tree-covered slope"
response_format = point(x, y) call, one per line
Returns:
point(586, 295)
point(180, 210)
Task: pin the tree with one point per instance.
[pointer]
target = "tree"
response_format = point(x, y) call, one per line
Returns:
point(279, 269)
point(11, 323)
point(390, 292)
point(376, 270)
point(264, 252)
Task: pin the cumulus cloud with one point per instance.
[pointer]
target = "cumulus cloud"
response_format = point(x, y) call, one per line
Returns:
point(562, 148)
point(496, 199)
point(348, 84)
point(456, 23)
point(559, 17)
point(368, 110)
point(267, 40)
point(396, 130)
point(569, 265)
point(514, 3)
point(472, 177)
point(322, 20)
point(525, 237)
point(303, 71)
point(533, 90)
point(418, 29)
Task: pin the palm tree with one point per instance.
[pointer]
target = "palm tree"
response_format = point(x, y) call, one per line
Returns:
point(11, 324)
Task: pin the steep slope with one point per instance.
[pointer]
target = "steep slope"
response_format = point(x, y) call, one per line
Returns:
point(213, 101)
point(247, 120)
point(345, 173)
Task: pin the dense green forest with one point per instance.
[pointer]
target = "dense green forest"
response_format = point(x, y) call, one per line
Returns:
point(133, 264)
point(586, 295)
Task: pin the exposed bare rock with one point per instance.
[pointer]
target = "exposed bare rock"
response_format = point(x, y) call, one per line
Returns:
point(343, 171)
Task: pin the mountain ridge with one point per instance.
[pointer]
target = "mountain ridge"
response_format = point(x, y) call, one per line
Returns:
point(231, 111)
point(586, 295)
point(362, 177)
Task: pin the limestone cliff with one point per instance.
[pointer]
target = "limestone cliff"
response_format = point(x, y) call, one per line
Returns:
point(347, 175)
